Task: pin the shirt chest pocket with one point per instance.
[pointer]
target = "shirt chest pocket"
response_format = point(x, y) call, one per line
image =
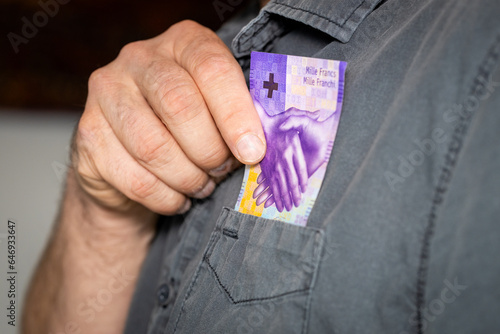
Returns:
point(255, 276)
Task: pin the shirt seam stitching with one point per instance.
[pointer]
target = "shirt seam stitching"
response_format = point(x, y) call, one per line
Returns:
point(214, 237)
point(451, 160)
point(249, 299)
point(247, 35)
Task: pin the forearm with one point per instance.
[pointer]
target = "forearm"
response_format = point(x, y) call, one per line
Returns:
point(87, 274)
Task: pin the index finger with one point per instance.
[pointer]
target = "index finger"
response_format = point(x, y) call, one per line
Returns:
point(222, 85)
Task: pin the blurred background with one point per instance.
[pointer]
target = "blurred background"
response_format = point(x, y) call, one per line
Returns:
point(51, 69)
point(48, 49)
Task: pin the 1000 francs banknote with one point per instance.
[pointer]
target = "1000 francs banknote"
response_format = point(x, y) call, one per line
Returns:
point(299, 101)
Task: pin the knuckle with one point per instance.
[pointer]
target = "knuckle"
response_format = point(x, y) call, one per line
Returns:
point(208, 65)
point(100, 79)
point(178, 97)
point(181, 102)
point(212, 156)
point(144, 187)
point(156, 73)
point(186, 25)
point(132, 50)
point(159, 72)
point(156, 151)
point(174, 201)
point(191, 184)
point(87, 130)
point(151, 150)
point(125, 115)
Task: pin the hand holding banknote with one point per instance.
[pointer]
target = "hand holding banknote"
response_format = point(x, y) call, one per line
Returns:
point(161, 122)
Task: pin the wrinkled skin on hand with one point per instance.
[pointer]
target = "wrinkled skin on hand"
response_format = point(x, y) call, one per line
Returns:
point(163, 122)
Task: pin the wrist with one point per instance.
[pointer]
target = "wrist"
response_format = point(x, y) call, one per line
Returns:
point(104, 231)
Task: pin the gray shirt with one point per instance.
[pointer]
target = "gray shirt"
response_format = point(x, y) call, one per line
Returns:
point(403, 235)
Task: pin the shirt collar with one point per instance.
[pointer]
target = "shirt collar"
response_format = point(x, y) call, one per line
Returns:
point(337, 18)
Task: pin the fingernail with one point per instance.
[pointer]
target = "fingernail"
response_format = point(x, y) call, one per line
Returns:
point(207, 190)
point(250, 148)
point(185, 208)
point(222, 169)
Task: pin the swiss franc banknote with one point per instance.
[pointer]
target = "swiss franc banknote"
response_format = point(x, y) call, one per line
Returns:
point(299, 100)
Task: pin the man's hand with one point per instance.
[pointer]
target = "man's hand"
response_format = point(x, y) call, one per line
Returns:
point(163, 119)
point(161, 122)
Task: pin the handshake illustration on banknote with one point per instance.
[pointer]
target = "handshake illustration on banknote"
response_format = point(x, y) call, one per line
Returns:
point(299, 101)
point(296, 149)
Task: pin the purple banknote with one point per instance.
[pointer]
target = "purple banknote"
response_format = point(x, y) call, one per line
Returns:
point(299, 101)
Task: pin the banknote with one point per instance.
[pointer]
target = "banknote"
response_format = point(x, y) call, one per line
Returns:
point(299, 101)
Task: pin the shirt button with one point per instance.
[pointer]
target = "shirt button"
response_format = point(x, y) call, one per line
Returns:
point(163, 293)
